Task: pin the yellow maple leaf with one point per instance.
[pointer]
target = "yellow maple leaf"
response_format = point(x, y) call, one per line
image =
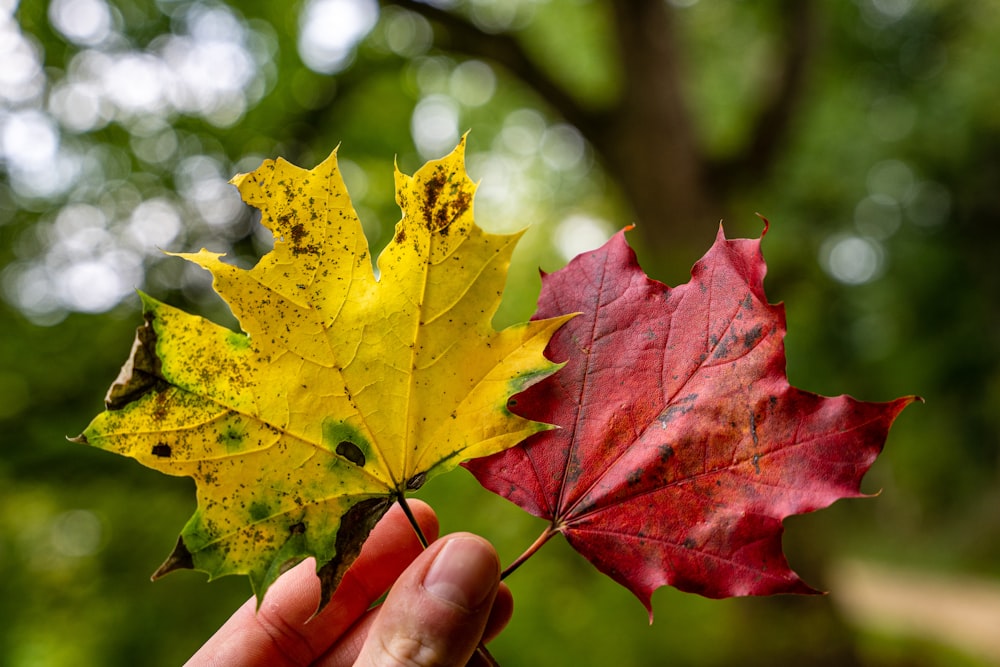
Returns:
point(345, 390)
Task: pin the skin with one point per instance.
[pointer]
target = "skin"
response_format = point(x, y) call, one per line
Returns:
point(443, 602)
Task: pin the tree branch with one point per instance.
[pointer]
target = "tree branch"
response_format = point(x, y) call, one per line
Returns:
point(463, 36)
point(799, 23)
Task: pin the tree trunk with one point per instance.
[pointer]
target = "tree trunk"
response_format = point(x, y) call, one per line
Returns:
point(651, 144)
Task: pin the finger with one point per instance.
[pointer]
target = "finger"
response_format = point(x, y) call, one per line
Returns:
point(437, 610)
point(347, 649)
point(503, 609)
point(284, 633)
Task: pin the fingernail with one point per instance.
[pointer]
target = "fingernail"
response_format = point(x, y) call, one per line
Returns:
point(464, 572)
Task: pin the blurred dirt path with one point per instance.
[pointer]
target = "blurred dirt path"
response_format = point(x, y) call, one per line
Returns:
point(960, 611)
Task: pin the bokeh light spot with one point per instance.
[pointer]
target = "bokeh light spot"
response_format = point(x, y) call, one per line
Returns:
point(852, 260)
point(82, 22)
point(331, 29)
point(435, 125)
point(78, 107)
point(153, 225)
point(406, 33)
point(29, 140)
point(563, 147)
point(893, 178)
point(201, 182)
point(76, 534)
point(580, 233)
point(21, 76)
point(355, 179)
point(97, 285)
point(134, 82)
point(522, 132)
point(473, 83)
point(877, 216)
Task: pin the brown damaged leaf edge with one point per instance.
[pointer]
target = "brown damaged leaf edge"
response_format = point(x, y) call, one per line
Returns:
point(355, 527)
point(141, 373)
point(179, 559)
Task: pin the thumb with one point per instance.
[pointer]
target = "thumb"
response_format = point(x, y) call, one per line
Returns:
point(437, 610)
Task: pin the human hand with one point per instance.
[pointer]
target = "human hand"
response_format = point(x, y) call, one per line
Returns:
point(444, 601)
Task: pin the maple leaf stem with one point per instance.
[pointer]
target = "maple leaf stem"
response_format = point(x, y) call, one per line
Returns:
point(401, 499)
point(549, 531)
point(485, 657)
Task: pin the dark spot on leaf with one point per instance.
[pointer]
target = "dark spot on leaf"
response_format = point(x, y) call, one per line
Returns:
point(162, 450)
point(751, 337)
point(666, 453)
point(342, 438)
point(298, 234)
point(297, 528)
point(416, 481)
point(284, 221)
point(680, 406)
point(232, 437)
point(259, 511)
point(307, 249)
point(688, 543)
point(441, 212)
point(432, 190)
point(722, 350)
point(351, 452)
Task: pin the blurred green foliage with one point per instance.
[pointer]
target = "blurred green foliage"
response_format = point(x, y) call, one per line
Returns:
point(883, 201)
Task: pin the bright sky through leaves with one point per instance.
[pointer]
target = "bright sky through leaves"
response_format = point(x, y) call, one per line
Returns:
point(213, 65)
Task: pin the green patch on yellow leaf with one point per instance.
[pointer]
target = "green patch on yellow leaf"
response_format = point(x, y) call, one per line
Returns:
point(343, 391)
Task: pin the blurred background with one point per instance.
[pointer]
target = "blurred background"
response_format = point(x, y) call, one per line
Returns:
point(866, 131)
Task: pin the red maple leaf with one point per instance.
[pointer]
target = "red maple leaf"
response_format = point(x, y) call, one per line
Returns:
point(681, 445)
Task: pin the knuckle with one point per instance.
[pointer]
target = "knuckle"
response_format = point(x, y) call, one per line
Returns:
point(401, 650)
